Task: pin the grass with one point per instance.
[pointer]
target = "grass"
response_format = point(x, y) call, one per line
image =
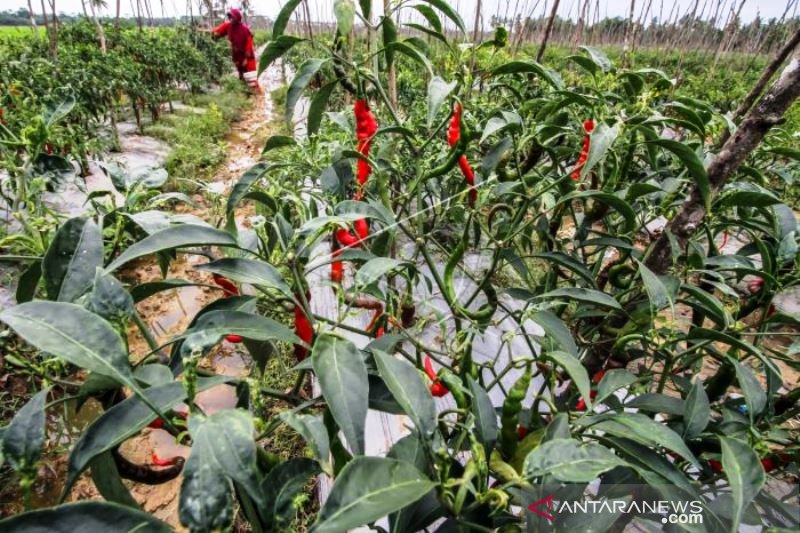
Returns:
point(198, 138)
point(19, 31)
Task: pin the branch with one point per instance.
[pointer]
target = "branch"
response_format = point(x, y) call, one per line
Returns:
point(759, 120)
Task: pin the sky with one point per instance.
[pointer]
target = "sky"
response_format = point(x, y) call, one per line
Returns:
point(322, 9)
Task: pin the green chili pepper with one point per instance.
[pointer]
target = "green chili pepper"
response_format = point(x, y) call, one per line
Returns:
point(456, 387)
point(621, 276)
point(512, 406)
point(485, 313)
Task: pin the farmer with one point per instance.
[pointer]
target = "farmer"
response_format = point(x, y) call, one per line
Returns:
point(241, 38)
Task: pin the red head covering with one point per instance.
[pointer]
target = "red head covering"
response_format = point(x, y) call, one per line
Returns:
point(235, 14)
point(238, 34)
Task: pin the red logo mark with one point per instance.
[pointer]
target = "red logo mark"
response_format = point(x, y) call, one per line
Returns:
point(534, 505)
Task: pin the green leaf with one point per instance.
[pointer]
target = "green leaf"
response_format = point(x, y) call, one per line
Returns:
point(693, 164)
point(55, 113)
point(570, 263)
point(71, 259)
point(318, 104)
point(499, 123)
point(754, 395)
point(376, 268)
point(281, 486)
point(344, 11)
point(449, 12)
point(278, 141)
point(485, 415)
point(110, 299)
point(656, 291)
point(589, 296)
point(275, 49)
point(304, 74)
point(24, 436)
point(410, 391)
point(576, 371)
point(73, 334)
point(697, 412)
point(492, 158)
point(389, 36)
point(312, 429)
point(206, 499)
point(223, 448)
point(438, 91)
point(642, 429)
point(248, 325)
point(609, 199)
point(126, 419)
point(282, 20)
point(601, 140)
point(429, 15)
point(342, 376)
point(406, 49)
point(558, 428)
point(86, 517)
point(718, 336)
point(599, 58)
point(181, 236)
point(366, 7)
point(367, 489)
point(612, 381)
point(556, 328)
point(530, 67)
point(745, 474)
point(241, 188)
point(569, 460)
point(658, 403)
point(108, 481)
point(29, 282)
point(251, 271)
point(146, 290)
point(648, 462)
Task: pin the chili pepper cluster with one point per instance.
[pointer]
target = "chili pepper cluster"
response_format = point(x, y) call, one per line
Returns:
point(588, 127)
point(453, 136)
point(366, 126)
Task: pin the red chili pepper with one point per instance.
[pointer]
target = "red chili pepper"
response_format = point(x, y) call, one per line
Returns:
point(581, 405)
point(347, 239)
point(453, 135)
point(755, 285)
point(226, 285)
point(337, 269)
point(715, 465)
point(771, 310)
point(158, 423)
point(437, 387)
point(366, 126)
point(374, 323)
point(303, 329)
point(522, 432)
point(724, 239)
point(598, 377)
point(768, 464)
point(362, 228)
point(163, 462)
point(48, 148)
point(230, 289)
point(588, 127)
